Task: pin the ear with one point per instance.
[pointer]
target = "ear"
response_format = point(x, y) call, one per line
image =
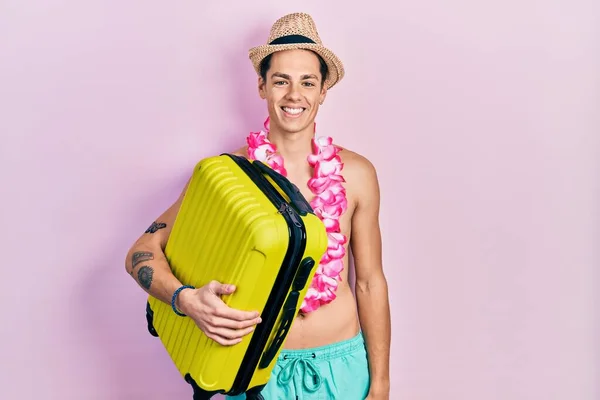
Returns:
point(323, 95)
point(261, 88)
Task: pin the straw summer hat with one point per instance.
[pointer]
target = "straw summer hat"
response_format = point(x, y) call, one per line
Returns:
point(298, 31)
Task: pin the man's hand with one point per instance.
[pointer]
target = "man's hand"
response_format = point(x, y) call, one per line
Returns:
point(223, 324)
point(380, 396)
point(379, 390)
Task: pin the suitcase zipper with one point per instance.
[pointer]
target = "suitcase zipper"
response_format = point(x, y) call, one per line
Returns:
point(287, 209)
point(283, 282)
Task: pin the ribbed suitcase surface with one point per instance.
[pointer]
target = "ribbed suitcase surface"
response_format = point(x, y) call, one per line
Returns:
point(235, 225)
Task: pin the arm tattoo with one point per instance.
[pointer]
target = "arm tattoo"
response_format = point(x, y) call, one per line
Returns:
point(139, 257)
point(145, 276)
point(155, 226)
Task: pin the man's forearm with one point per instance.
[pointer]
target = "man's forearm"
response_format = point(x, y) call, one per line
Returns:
point(374, 315)
point(148, 266)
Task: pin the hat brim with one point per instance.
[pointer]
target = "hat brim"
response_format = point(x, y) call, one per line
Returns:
point(334, 64)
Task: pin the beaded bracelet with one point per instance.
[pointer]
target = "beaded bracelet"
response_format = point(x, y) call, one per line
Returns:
point(175, 310)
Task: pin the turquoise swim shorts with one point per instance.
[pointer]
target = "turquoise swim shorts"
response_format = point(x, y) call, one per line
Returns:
point(336, 371)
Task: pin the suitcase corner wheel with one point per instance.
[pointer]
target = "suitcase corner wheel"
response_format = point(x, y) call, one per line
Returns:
point(201, 394)
point(149, 319)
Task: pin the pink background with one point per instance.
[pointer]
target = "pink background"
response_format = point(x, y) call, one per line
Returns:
point(481, 117)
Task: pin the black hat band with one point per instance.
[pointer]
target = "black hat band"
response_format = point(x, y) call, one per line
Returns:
point(291, 39)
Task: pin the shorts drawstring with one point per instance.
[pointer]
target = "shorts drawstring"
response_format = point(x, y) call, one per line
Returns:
point(311, 377)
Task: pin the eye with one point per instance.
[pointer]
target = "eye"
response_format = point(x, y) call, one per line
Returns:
point(309, 84)
point(278, 83)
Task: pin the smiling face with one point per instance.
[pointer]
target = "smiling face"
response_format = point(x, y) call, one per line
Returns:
point(293, 90)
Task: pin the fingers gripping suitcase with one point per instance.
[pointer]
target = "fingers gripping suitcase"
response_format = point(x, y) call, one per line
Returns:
point(240, 222)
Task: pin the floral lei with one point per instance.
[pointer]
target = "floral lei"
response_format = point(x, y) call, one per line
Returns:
point(328, 204)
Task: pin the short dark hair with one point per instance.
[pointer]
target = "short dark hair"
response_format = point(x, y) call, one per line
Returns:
point(265, 64)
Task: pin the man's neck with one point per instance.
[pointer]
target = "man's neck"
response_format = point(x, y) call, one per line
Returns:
point(293, 147)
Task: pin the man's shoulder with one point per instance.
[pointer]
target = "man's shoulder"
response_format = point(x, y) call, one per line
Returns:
point(356, 165)
point(360, 176)
point(242, 151)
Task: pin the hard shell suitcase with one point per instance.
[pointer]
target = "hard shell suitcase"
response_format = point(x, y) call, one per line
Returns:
point(240, 222)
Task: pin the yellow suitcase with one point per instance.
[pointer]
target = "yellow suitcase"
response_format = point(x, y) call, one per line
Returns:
point(242, 223)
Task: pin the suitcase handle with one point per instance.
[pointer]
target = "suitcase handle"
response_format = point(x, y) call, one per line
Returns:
point(296, 198)
point(289, 313)
point(290, 310)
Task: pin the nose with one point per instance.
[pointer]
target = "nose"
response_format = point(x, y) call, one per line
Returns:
point(293, 93)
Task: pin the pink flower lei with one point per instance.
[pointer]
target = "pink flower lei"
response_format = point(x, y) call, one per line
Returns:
point(328, 204)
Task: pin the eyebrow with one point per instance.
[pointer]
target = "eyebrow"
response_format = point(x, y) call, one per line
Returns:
point(286, 76)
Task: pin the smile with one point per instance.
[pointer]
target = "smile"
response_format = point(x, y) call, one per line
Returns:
point(292, 112)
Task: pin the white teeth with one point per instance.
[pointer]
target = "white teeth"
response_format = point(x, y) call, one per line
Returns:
point(292, 110)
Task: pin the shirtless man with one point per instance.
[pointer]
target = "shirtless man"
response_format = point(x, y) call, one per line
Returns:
point(343, 344)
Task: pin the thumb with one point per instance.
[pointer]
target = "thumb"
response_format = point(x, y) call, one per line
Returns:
point(221, 288)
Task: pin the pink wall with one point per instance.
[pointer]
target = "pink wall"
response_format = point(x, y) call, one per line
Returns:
point(482, 119)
